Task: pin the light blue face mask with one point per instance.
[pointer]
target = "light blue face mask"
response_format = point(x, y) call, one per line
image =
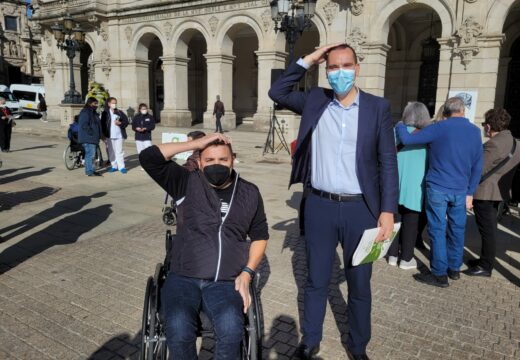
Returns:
point(341, 80)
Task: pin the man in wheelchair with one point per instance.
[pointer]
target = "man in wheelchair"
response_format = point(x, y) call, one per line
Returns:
point(212, 261)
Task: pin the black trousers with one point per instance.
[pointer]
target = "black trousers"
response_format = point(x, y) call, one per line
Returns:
point(5, 134)
point(407, 236)
point(218, 116)
point(486, 217)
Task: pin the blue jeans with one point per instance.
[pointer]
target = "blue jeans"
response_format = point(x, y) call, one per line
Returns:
point(446, 224)
point(90, 152)
point(183, 298)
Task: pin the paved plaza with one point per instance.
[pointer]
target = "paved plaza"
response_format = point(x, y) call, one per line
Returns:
point(75, 253)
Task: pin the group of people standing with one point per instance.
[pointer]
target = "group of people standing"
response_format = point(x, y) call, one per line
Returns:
point(110, 128)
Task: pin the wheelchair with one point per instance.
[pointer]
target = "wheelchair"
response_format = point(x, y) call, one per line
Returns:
point(153, 343)
point(74, 155)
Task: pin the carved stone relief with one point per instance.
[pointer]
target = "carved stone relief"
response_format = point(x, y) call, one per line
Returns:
point(356, 6)
point(128, 34)
point(168, 27)
point(356, 39)
point(266, 20)
point(330, 10)
point(103, 31)
point(50, 63)
point(105, 62)
point(467, 36)
point(213, 23)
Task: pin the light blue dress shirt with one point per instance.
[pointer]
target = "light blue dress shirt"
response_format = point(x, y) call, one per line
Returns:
point(334, 144)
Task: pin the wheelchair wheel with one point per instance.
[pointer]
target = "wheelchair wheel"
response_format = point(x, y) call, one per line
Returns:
point(149, 336)
point(252, 341)
point(70, 158)
point(168, 216)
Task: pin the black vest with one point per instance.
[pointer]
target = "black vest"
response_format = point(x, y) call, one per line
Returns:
point(206, 246)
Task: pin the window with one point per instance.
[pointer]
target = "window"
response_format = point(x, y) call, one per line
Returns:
point(25, 95)
point(11, 23)
point(8, 96)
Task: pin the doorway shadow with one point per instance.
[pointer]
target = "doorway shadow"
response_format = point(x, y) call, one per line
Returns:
point(10, 171)
point(25, 175)
point(63, 232)
point(296, 243)
point(9, 200)
point(60, 208)
point(505, 243)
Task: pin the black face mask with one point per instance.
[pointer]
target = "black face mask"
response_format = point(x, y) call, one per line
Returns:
point(217, 174)
point(94, 108)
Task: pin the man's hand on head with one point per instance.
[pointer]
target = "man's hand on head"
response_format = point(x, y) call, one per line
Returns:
point(242, 283)
point(386, 225)
point(203, 142)
point(318, 56)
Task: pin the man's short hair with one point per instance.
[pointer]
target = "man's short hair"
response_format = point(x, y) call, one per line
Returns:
point(416, 114)
point(110, 99)
point(341, 47)
point(452, 106)
point(196, 134)
point(90, 101)
point(142, 105)
point(497, 119)
point(219, 143)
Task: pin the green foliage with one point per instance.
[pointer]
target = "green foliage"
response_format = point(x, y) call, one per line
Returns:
point(98, 91)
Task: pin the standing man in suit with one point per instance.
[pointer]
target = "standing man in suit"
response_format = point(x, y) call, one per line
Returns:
point(496, 188)
point(218, 112)
point(345, 154)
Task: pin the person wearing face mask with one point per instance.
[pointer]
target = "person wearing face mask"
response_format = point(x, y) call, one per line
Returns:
point(345, 155)
point(113, 124)
point(221, 238)
point(89, 134)
point(501, 157)
point(143, 124)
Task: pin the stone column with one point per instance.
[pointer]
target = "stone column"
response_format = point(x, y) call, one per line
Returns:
point(220, 82)
point(267, 60)
point(176, 110)
point(373, 68)
point(444, 80)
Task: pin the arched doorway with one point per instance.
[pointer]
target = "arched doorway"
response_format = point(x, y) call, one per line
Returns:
point(87, 68)
point(508, 79)
point(244, 42)
point(192, 45)
point(413, 60)
point(150, 77)
point(306, 44)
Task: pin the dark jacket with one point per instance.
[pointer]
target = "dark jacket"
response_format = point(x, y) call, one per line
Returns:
point(89, 131)
point(498, 186)
point(218, 109)
point(376, 159)
point(106, 120)
point(143, 121)
point(206, 247)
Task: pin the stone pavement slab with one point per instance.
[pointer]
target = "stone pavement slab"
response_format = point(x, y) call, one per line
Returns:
point(74, 263)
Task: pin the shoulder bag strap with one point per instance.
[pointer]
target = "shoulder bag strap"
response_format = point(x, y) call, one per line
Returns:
point(500, 164)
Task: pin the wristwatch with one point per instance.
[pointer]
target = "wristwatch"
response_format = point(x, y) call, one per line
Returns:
point(250, 272)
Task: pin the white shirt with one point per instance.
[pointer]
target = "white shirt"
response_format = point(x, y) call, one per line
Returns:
point(115, 131)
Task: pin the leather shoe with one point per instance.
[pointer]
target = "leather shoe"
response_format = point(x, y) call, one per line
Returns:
point(430, 279)
point(477, 271)
point(305, 352)
point(473, 262)
point(453, 275)
point(357, 357)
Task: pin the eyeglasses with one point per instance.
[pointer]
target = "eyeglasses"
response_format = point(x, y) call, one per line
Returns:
point(483, 124)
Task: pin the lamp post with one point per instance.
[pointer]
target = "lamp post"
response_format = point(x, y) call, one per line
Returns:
point(70, 37)
point(292, 17)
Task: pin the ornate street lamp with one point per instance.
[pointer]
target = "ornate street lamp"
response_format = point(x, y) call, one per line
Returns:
point(292, 17)
point(70, 37)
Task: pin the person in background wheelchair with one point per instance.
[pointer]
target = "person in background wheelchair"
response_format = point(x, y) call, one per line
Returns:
point(212, 262)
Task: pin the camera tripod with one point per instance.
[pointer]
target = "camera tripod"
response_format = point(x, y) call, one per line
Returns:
point(275, 129)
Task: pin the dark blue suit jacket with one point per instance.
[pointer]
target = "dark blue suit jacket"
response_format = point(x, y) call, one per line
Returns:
point(376, 160)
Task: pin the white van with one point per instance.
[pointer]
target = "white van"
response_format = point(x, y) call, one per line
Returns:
point(11, 101)
point(29, 96)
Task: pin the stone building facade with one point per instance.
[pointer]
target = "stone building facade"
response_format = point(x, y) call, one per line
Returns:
point(20, 45)
point(178, 55)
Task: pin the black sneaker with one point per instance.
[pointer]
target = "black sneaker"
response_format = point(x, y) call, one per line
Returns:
point(95, 173)
point(430, 279)
point(454, 275)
